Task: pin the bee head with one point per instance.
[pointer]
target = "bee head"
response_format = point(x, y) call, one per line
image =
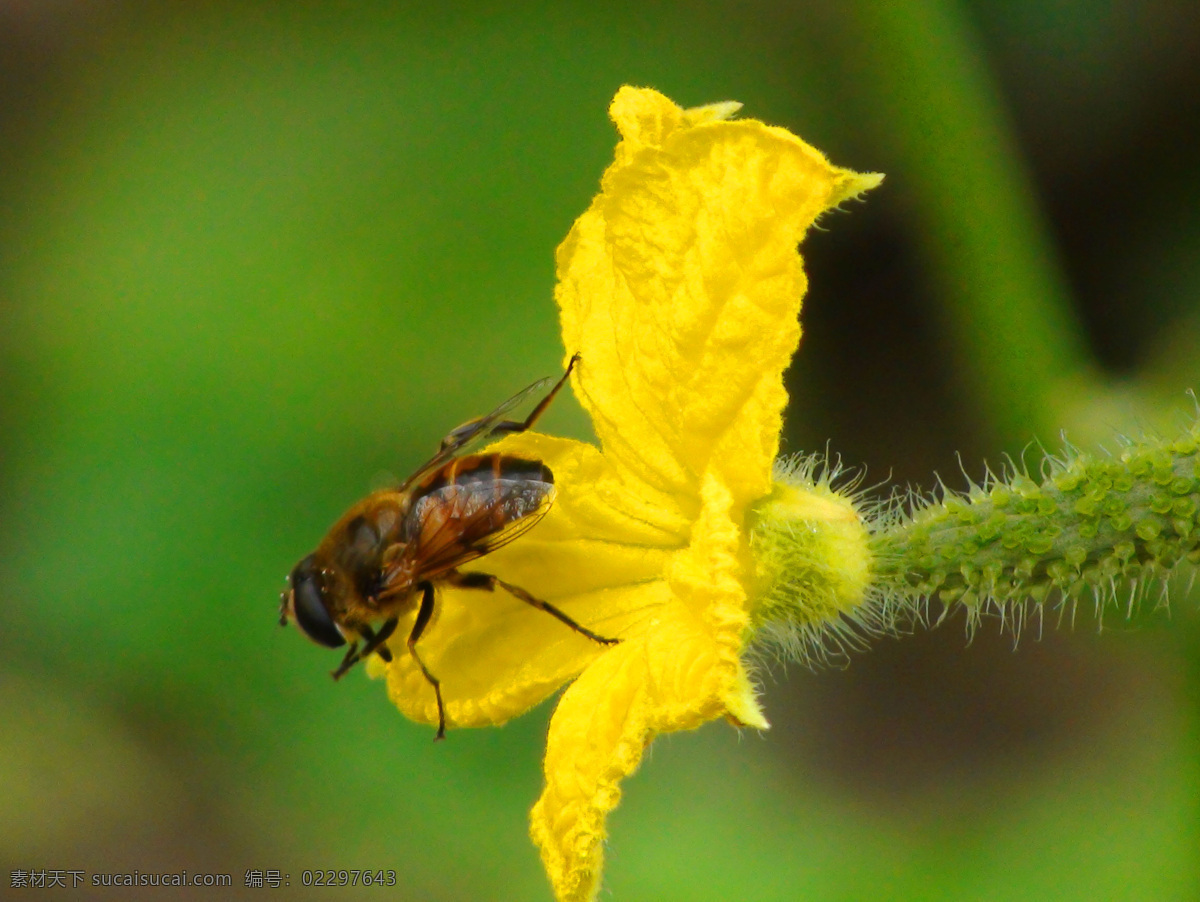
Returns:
point(307, 601)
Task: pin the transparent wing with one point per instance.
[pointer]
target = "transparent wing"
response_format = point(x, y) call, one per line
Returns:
point(474, 433)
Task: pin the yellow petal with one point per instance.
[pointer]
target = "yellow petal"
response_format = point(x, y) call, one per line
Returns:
point(596, 738)
point(681, 288)
point(710, 578)
point(598, 555)
point(597, 735)
point(681, 669)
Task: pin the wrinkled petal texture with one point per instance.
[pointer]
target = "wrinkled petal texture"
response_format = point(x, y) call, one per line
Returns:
point(681, 288)
point(681, 672)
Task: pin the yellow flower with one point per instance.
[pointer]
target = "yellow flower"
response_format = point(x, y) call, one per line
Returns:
point(680, 287)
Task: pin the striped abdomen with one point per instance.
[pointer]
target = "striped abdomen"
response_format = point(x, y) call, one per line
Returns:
point(474, 505)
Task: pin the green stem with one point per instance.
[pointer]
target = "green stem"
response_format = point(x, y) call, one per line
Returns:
point(1091, 525)
point(925, 90)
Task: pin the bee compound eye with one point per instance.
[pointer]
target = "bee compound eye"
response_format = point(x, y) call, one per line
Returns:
point(308, 605)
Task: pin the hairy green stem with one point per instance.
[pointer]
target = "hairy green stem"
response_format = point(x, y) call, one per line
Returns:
point(1089, 527)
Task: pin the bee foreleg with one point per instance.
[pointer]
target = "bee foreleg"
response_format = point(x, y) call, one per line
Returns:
point(348, 661)
point(375, 640)
point(422, 621)
point(488, 582)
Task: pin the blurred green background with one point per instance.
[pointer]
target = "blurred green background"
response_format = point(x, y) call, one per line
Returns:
point(255, 256)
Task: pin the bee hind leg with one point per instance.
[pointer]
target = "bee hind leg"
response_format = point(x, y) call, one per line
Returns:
point(510, 427)
point(515, 426)
point(488, 583)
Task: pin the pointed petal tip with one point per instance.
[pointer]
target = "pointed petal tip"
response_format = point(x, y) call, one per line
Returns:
point(741, 704)
point(852, 184)
point(713, 112)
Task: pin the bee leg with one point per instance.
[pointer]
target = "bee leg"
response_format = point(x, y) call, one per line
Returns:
point(347, 662)
point(423, 615)
point(375, 640)
point(374, 643)
point(513, 426)
point(488, 583)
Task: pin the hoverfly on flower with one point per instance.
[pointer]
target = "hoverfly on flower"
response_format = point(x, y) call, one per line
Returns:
point(389, 552)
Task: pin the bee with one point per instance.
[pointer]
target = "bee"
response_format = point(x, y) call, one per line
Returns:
point(389, 552)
